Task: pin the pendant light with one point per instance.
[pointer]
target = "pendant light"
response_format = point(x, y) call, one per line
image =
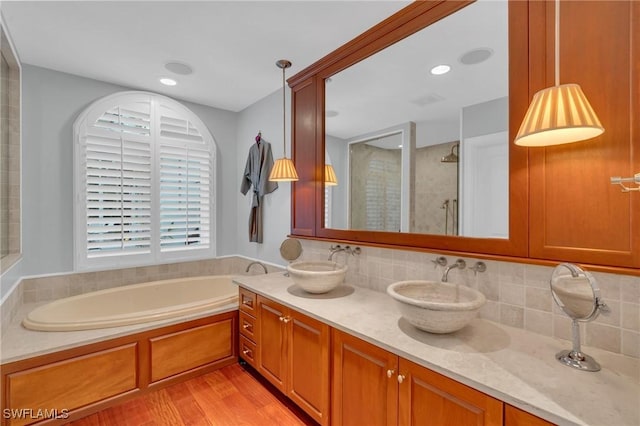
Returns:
point(283, 170)
point(330, 178)
point(560, 114)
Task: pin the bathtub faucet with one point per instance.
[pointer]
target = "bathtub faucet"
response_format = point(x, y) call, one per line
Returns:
point(257, 263)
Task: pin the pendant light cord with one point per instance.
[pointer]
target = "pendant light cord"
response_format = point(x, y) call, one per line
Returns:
point(284, 115)
point(557, 42)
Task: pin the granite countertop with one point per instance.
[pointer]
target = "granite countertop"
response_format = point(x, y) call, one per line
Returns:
point(513, 365)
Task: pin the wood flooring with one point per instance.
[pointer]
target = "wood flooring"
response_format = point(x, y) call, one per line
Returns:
point(226, 397)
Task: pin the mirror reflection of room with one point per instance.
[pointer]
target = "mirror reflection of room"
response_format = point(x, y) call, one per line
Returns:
point(449, 174)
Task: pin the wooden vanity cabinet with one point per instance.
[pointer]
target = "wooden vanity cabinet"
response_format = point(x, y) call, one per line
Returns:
point(515, 417)
point(375, 387)
point(293, 354)
point(364, 383)
point(428, 398)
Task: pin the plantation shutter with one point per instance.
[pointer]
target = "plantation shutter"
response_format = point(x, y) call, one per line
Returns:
point(185, 188)
point(144, 182)
point(185, 183)
point(118, 183)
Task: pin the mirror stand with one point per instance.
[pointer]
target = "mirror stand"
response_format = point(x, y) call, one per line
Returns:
point(575, 357)
point(578, 295)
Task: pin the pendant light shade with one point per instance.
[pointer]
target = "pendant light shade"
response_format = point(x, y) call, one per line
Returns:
point(330, 178)
point(283, 170)
point(558, 115)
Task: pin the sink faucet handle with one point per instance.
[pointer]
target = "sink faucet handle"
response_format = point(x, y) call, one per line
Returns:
point(461, 264)
point(439, 261)
point(478, 267)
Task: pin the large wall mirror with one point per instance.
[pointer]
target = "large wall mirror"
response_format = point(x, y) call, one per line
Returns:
point(421, 160)
point(418, 132)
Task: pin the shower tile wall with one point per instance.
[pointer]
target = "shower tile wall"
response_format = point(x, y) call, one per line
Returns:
point(517, 294)
point(436, 185)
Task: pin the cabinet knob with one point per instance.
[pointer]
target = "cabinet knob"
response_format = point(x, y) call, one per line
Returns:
point(286, 319)
point(400, 378)
point(247, 352)
point(248, 302)
point(246, 326)
point(390, 373)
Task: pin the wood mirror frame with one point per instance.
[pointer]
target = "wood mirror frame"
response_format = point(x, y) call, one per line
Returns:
point(307, 86)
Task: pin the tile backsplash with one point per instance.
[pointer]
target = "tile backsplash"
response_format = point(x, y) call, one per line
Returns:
point(517, 294)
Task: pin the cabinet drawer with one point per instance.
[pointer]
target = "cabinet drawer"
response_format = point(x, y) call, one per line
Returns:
point(248, 326)
point(248, 301)
point(248, 351)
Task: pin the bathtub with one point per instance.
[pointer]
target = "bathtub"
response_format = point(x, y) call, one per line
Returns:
point(134, 304)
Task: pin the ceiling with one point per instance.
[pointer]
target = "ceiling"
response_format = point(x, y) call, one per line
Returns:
point(232, 46)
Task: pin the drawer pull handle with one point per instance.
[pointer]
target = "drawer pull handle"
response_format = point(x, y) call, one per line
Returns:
point(400, 378)
point(247, 352)
point(390, 373)
point(285, 319)
point(246, 326)
point(248, 302)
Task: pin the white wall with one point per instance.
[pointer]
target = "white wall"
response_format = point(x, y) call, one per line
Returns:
point(51, 102)
point(266, 116)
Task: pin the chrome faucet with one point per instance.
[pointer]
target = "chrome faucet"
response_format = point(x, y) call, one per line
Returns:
point(336, 249)
point(460, 264)
point(257, 263)
point(347, 249)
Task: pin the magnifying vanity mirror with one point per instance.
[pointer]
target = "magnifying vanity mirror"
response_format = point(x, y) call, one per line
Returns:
point(422, 152)
point(578, 295)
point(290, 250)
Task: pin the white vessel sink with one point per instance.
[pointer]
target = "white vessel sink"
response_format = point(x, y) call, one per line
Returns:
point(317, 277)
point(436, 307)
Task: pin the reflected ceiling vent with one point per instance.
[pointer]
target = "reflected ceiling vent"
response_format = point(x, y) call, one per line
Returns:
point(428, 99)
point(179, 68)
point(476, 56)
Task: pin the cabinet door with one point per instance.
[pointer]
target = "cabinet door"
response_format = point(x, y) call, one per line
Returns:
point(271, 344)
point(516, 417)
point(308, 354)
point(364, 385)
point(429, 398)
point(575, 212)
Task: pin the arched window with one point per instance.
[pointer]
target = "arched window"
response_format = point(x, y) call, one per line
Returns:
point(144, 174)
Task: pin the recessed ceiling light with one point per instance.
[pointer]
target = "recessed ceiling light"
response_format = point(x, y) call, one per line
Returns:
point(440, 69)
point(476, 56)
point(178, 68)
point(168, 81)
